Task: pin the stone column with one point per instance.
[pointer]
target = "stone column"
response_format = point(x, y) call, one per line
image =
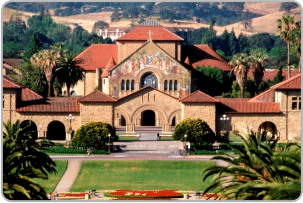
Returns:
point(130, 128)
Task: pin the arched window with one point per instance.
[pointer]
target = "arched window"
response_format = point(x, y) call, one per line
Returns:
point(165, 85)
point(123, 85)
point(127, 84)
point(176, 85)
point(133, 85)
point(149, 79)
point(170, 85)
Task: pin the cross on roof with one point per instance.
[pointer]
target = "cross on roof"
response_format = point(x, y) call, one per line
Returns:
point(149, 34)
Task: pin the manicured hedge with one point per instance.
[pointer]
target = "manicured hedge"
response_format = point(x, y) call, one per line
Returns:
point(94, 135)
point(64, 150)
point(208, 152)
point(198, 132)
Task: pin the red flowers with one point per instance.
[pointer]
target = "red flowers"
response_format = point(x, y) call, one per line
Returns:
point(146, 194)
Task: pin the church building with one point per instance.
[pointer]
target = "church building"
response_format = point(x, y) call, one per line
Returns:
point(148, 78)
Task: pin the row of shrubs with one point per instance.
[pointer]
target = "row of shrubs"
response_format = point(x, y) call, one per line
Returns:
point(64, 150)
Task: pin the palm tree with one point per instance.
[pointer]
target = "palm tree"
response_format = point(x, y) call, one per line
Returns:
point(23, 161)
point(46, 60)
point(257, 66)
point(68, 71)
point(257, 171)
point(239, 63)
point(296, 41)
point(285, 33)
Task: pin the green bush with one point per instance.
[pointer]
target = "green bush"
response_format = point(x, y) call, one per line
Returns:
point(198, 132)
point(94, 135)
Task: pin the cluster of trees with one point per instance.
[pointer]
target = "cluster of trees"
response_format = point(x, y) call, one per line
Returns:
point(41, 33)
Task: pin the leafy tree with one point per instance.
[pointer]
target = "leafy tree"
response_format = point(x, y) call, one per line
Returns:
point(287, 6)
point(33, 78)
point(285, 29)
point(22, 162)
point(257, 171)
point(68, 71)
point(279, 77)
point(94, 135)
point(239, 63)
point(100, 25)
point(262, 40)
point(33, 47)
point(243, 43)
point(233, 43)
point(198, 132)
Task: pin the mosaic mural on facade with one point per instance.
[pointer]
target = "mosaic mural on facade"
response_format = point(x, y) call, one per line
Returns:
point(150, 57)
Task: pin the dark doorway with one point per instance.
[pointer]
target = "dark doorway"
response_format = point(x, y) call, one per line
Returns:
point(122, 121)
point(148, 118)
point(30, 127)
point(56, 131)
point(173, 123)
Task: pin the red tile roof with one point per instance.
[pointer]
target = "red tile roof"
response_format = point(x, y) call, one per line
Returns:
point(111, 63)
point(51, 105)
point(98, 55)
point(270, 74)
point(199, 97)
point(29, 95)
point(144, 88)
point(204, 55)
point(243, 106)
point(10, 84)
point(12, 62)
point(293, 83)
point(158, 33)
point(267, 96)
point(97, 97)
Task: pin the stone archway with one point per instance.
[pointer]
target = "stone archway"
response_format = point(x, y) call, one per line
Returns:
point(148, 118)
point(122, 121)
point(56, 131)
point(269, 127)
point(30, 127)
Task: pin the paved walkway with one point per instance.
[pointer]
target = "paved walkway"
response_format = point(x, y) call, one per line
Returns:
point(69, 176)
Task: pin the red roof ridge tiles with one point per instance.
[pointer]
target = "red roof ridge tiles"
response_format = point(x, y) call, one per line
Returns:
point(198, 97)
point(291, 83)
point(158, 33)
point(9, 83)
point(210, 51)
point(144, 88)
point(270, 74)
point(267, 96)
point(111, 63)
point(97, 56)
point(30, 95)
point(97, 97)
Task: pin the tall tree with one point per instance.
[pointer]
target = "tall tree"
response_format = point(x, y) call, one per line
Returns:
point(285, 29)
point(47, 61)
point(240, 68)
point(257, 66)
point(69, 72)
point(23, 161)
point(296, 41)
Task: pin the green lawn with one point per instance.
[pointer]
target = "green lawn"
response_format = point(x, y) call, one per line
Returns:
point(128, 138)
point(53, 179)
point(166, 138)
point(234, 138)
point(141, 175)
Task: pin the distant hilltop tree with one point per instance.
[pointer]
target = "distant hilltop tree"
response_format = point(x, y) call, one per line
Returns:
point(287, 6)
point(100, 25)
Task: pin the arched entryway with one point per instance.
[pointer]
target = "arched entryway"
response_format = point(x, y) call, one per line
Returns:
point(30, 127)
point(173, 122)
point(122, 121)
point(269, 127)
point(149, 79)
point(56, 131)
point(148, 118)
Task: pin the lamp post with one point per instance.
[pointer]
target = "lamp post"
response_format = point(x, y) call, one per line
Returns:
point(224, 119)
point(109, 143)
point(185, 136)
point(70, 118)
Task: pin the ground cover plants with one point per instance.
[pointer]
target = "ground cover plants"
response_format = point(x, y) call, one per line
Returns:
point(141, 175)
point(60, 150)
point(53, 179)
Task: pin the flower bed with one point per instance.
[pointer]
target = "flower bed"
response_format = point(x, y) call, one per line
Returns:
point(71, 195)
point(142, 199)
point(144, 194)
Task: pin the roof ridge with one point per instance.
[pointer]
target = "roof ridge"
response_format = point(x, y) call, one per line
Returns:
point(198, 92)
point(285, 81)
point(97, 92)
